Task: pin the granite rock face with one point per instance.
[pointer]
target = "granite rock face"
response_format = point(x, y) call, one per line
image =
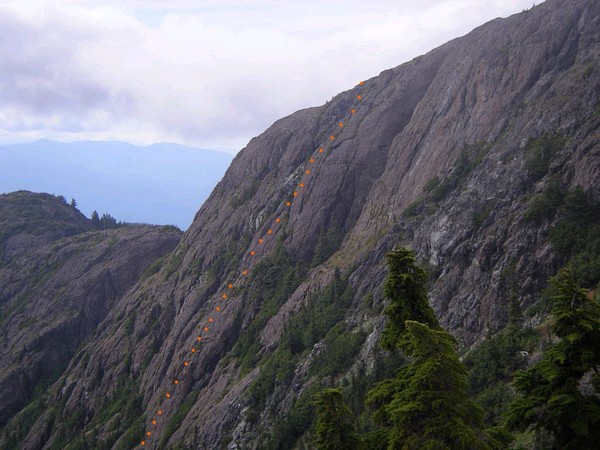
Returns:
point(58, 281)
point(435, 157)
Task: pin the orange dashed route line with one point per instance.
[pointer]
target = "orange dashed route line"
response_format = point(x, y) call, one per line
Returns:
point(185, 362)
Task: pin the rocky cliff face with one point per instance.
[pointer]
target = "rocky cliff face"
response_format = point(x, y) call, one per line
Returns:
point(58, 281)
point(448, 154)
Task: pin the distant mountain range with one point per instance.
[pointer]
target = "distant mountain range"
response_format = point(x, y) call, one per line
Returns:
point(158, 184)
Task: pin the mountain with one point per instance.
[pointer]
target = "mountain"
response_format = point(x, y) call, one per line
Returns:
point(59, 278)
point(160, 183)
point(482, 155)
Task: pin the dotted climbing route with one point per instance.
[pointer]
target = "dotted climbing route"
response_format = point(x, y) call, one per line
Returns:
point(185, 361)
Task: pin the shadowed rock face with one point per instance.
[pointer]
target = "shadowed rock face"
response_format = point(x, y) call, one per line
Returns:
point(57, 283)
point(435, 157)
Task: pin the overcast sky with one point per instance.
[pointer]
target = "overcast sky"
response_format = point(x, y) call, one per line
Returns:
point(208, 73)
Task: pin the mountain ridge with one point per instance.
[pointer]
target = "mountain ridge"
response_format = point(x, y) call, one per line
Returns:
point(446, 154)
point(59, 277)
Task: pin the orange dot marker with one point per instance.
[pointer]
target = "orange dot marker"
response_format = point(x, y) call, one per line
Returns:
point(362, 83)
point(260, 241)
point(295, 194)
point(186, 363)
point(193, 350)
point(143, 443)
point(301, 185)
point(288, 204)
point(307, 172)
point(353, 111)
point(176, 381)
point(153, 421)
point(252, 252)
point(269, 231)
point(206, 329)
point(199, 338)
point(159, 412)
point(149, 433)
point(321, 150)
point(278, 220)
point(230, 286)
point(218, 308)
point(245, 272)
point(211, 320)
point(224, 296)
point(168, 395)
point(332, 137)
point(341, 124)
point(359, 97)
point(311, 160)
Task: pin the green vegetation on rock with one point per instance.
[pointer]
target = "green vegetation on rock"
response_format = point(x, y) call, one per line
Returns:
point(559, 395)
point(335, 428)
point(437, 189)
point(426, 405)
point(540, 153)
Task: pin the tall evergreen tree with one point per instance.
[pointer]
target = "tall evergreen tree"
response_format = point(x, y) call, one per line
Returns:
point(108, 222)
point(554, 395)
point(334, 429)
point(95, 218)
point(405, 288)
point(426, 405)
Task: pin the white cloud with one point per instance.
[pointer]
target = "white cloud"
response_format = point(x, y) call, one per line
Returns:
point(208, 73)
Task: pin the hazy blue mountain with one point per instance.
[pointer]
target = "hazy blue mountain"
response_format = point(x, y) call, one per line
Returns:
point(159, 184)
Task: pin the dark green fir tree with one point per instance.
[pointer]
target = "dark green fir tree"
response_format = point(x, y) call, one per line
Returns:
point(335, 428)
point(426, 406)
point(558, 396)
point(95, 218)
point(405, 288)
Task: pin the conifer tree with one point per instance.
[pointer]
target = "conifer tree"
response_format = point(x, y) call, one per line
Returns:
point(405, 288)
point(108, 222)
point(334, 429)
point(95, 218)
point(553, 395)
point(426, 405)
